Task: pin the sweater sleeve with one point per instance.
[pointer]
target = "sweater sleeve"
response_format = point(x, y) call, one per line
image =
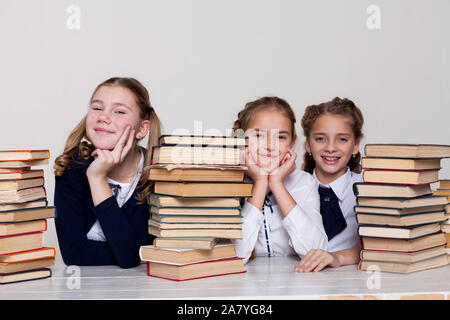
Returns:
point(125, 229)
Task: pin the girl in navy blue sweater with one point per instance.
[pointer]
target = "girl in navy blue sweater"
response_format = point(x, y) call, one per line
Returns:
point(101, 184)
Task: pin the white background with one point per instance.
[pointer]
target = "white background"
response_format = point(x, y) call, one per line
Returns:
point(202, 60)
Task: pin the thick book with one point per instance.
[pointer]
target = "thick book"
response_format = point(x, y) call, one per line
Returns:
point(442, 192)
point(195, 270)
point(191, 211)
point(401, 267)
point(407, 150)
point(401, 220)
point(193, 225)
point(197, 155)
point(400, 164)
point(413, 177)
point(204, 189)
point(394, 211)
point(185, 243)
point(405, 257)
point(160, 200)
point(410, 232)
point(8, 229)
point(12, 267)
point(197, 140)
point(444, 184)
point(25, 275)
point(23, 164)
point(23, 195)
point(21, 242)
point(362, 189)
point(196, 173)
point(402, 203)
point(195, 218)
point(182, 233)
point(402, 245)
point(41, 203)
point(183, 256)
point(40, 253)
point(30, 214)
point(17, 175)
point(23, 155)
point(20, 184)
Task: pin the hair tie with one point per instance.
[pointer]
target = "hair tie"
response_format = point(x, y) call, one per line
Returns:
point(150, 110)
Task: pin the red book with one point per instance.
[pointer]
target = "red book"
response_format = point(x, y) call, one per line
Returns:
point(21, 242)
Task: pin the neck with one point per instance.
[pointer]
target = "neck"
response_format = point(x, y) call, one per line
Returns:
point(326, 178)
point(126, 170)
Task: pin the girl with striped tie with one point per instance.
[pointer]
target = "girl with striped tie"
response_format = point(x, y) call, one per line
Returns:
point(100, 182)
point(333, 131)
point(282, 216)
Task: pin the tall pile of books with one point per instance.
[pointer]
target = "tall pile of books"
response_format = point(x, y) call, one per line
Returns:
point(398, 216)
point(444, 190)
point(195, 207)
point(23, 213)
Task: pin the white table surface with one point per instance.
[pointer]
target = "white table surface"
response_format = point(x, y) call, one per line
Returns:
point(266, 278)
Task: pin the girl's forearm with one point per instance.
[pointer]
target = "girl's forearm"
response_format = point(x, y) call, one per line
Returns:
point(100, 190)
point(347, 256)
point(284, 198)
point(259, 193)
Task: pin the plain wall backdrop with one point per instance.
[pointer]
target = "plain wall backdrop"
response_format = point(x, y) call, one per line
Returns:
point(202, 60)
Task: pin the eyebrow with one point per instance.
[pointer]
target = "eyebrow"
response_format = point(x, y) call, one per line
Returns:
point(338, 134)
point(116, 104)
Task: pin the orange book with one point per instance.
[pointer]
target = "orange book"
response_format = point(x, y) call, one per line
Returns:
point(19, 175)
point(23, 155)
point(40, 253)
point(13, 228)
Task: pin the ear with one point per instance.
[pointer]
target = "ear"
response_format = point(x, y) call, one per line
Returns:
point(307, 146)
point(144, 128)
point(356, 147)
point(294, 139)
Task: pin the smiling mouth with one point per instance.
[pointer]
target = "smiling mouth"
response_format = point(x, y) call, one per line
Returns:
point(330, 160)
point(102, 131)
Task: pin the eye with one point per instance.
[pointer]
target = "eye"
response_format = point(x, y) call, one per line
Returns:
point(319, 139)
point(282, 137)
point(96, 107)
point(342, 139)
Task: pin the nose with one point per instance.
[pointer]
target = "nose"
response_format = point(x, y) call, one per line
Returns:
point(272, 141)
point(330, 146)
point(104, 116)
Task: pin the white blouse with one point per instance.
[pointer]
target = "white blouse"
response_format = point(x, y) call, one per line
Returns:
point(272, 234)
point(343, 188)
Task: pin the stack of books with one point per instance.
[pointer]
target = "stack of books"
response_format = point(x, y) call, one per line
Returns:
point(195, 207)
point(23, 213)
point(444, 190)
point(398, 216)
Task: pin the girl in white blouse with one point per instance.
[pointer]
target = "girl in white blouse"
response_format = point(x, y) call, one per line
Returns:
point(282, 217)
point(333, 131)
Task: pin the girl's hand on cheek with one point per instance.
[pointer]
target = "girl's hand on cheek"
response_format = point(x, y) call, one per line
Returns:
point(286, 167)
point(105, 160)
point(254, 171)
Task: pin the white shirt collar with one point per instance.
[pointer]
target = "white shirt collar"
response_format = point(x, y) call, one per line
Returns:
point(340, 185)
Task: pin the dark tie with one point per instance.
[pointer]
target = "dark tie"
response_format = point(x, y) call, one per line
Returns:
point(115, 189)
point(332, 217)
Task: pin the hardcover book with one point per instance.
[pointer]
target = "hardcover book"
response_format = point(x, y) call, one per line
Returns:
point(407, 150)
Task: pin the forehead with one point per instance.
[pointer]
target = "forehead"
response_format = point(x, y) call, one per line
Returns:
point(271, 119)
point(115, 95)
point(332, 124)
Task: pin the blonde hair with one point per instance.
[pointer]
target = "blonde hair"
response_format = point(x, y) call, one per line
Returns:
point(338, 106)
point(78, 139)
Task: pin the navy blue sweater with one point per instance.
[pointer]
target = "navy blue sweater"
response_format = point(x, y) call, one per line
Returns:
point(125, 229)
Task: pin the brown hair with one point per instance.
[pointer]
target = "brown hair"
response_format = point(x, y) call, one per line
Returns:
point(246, 115)
point(344, 107)
point(85, 147)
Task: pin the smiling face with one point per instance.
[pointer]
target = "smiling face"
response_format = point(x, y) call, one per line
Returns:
point(270, 135)
point(112, 108)
point(332, 143)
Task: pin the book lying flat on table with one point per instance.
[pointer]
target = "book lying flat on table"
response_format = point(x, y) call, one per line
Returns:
point(23, 155)
point(202, 140)
point(400, 164)
point(393, 211)
point(21, 184)
point(407, 150)
point(402, 203)
point(25, 276)
point(197, 155)
point(443, 192)
point(21, 242)
point(410, 232)
point(192, 225)
point(397, 267)
point(183, 256)
point(185, 243)
point(23, 195)
point(27, 214)
point(400, 176)
point(195, 270)
point(402, 220)
point(40, 253)
point(390, 190)
point(7, 229)
point(182, 233)
point(196, 173)
point(196, 218)
point(23, 164)
point(444, 184)
point(160, 200)
point(402, 245)
point(13, 267)
point(405, 257)
point(16, 175)
point(204, 189)
point(195, 211)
